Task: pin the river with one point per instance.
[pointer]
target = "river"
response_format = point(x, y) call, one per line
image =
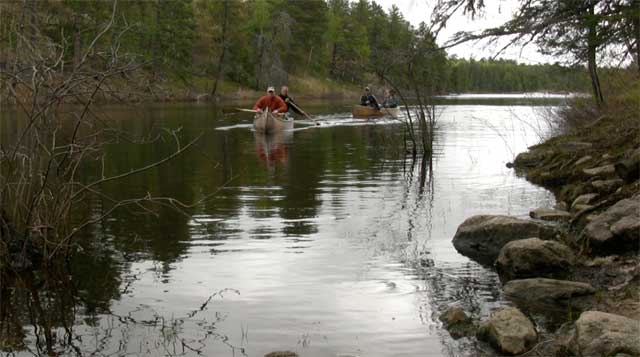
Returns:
point(326, 241)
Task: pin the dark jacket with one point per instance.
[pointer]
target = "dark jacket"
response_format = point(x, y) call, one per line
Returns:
point(289, 101)
point(369, 101)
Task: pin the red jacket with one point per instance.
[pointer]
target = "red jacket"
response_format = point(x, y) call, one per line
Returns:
point(273, 103)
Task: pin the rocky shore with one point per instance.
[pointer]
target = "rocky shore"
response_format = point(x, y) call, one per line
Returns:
point(572, 272)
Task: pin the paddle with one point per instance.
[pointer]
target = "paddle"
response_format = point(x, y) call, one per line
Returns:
point(245, 110)
point(300, 110)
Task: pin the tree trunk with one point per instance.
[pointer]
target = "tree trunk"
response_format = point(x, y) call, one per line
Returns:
point(260, 59)
point(156, 42)
point(636, 32)
point(76, 48)
point(592, 45)
point(20, 46)
point(309, 59)
point(225, 22)
point(332, 69)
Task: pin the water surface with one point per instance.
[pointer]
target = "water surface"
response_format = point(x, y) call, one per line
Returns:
point(327, 241)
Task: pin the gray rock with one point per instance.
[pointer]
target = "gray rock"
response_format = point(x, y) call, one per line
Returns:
point(583, 200)
point(482, 237)
point(629, 167)
point(509, 331)
point(531, 158)
point(600, 261)
point(627, 227)
point(549, 214)
point(281, 354)
point(457, 322)
point(607, 186)
point(601, 334)
point(454, 315)
point(616, 229)
point(578, 208)
point(534, 257)
point(561, 206)
point(575, 145)
point(606, 170)
point(583, 160)
point(547, 291)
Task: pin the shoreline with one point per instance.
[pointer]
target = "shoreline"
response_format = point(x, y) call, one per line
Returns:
point(571, 269)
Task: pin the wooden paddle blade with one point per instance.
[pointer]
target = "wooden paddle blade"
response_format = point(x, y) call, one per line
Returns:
point(245, 110)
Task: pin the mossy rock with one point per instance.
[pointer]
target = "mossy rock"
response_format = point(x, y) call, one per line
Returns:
point(531, 158)
point(570, 192)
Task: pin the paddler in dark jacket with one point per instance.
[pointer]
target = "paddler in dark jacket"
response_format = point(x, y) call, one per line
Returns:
point(270, 101)
point(284, 95)
point(368, 100)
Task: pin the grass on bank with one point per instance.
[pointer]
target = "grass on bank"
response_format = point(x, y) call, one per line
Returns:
point(591, 136)
point(613, 128)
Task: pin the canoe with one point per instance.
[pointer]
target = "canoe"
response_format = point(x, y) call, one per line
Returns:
point(268, 122)
point(360, 111)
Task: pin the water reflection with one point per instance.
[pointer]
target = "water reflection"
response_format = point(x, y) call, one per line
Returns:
point(335, 241)
point(271, 148)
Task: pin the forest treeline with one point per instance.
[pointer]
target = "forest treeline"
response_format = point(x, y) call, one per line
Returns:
point(503, 76)
point(255, 43)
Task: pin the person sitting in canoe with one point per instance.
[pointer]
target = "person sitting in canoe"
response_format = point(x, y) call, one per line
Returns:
point(284, 95)
point(390, 100)
point(368, 100)
point(271, 102)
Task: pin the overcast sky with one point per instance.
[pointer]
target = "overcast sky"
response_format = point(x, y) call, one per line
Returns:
point(496, 12)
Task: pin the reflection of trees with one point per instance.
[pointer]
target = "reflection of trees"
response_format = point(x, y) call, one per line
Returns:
point(327, 155)
point(50, 301)
point(40, 313)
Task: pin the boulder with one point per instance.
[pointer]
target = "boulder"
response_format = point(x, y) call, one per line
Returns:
point(561, 206)
point(607, 186)
point(627, 227)
point(616, 229)
point(544, 291)
point(549, 214)
point(549, 178)
point(600, 171)
point(571, 191)
point(602, 334)
point(575, 146)
point(629, 168)
point(583, 200)
point(583, 160)
point(281, 354)
point(579, 208)
point(509, 331)
point(457, 322)
point(533, 257)
point(531, 158)
point(482, 237)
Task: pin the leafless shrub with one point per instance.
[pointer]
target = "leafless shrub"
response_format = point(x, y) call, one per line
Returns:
point(40, 185)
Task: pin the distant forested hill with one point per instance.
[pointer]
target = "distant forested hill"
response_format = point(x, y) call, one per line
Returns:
point(253, 43)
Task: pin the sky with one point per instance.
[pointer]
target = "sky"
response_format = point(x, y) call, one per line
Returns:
point(495, 13)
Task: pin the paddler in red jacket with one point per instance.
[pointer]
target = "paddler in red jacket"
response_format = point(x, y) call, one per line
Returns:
point(271, 101)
